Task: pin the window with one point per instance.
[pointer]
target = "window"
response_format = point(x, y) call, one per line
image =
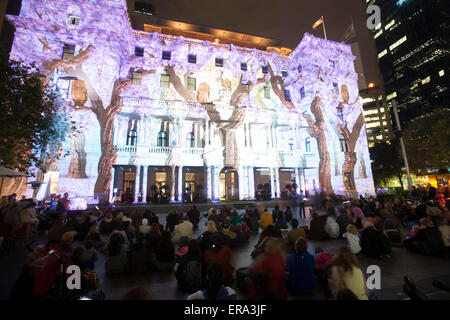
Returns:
point(344, 145)
point(192, 58)
point(308, 144)
point(243, 66)
point(390, 24)
point(302, 92)
point(332, 63)
point(336, 88)
point(162, 139)
point(190, 140)
point(291, 144)
point(166, 55)
point(264, 69)
point(382, 53)
point(284, 73)
point(441, 73)
point(267, 92)
point(165, 81)
point(340, 113)
point(299, 68)
point(245, 88)
point(191, 84)
point(138, 51)
point(219, 62)
point(396, 44)
point(426, 80)
point(74, 20)
point(287, 95)
point(131, 137)
point(379, 33)
point(68, 51)
point(391, 96)
point(137, 77)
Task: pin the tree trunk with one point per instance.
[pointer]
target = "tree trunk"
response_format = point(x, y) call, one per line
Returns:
point(77, 168)
point(362, 166)
point(348, 174)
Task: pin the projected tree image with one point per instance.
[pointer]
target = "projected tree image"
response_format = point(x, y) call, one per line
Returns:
point(159, 112)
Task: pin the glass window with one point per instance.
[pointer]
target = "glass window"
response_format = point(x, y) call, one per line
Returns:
point(308, 144)
point(264, 69)
point(138, 51)
point(166, 55)
point(287, 95)
point(344, 145)
point(284, 73)
point(219, 62)
point(267, 92)
point(74, 20)
point(165, 81)
point(245, 88)
point(243, 66)
point(299, 68)
point(191, 84)
point(192, 58)
point(137, 77)
point(190, 140)
point(302, 92)
point(68, 51)
point(131, 137)
point(162, 139)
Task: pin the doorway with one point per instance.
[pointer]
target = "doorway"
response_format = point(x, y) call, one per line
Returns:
point(229, 184)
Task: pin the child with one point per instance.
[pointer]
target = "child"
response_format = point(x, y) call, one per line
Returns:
point(352, 239)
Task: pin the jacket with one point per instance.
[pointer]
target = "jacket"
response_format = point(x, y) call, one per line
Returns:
point(266, 219)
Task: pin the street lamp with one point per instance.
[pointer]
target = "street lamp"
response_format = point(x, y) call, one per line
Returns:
point(402, 145)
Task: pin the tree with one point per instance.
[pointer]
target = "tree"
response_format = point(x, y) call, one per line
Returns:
point(427, 142)
point(34, 122)
point(387, 161)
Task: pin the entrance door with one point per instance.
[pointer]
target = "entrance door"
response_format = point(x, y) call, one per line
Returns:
point(189, 184)
point(129, 182)
point(229, 184)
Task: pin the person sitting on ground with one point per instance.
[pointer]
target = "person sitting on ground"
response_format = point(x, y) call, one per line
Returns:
point(55, 233)
point(268, 273)
point(84, 228)
point(342, 220)
point(129, 230)
point(332, 227)
point(205, 238)
point(231, 236)
point(253, 221)
point(165, 253)
point(189, 273)
point(352, 237)
point(139, 256)
point(356, 215)
point(288, 214)
point(444, 228)
point(282, 221)
point(294, 234)
point(144, 228)
point(374, 243)
point(242, 237)
point(215, 289)
point(154, 235)
point(324, 261)
point(107, 226)
point(276, 213)
point(90, 255)
point(300, 268)
point(117, 221)
point(317, 228)
point(427, 241)
point(183, 230)
point(393, 232)
point(194, 216)
point(171, 221)
point(235, 218)
point(116, 259)
point(266, 219)
point(94, 237)
point(222, 254)
point(346, 273)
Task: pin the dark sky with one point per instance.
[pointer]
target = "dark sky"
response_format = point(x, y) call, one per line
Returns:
point(285, 20)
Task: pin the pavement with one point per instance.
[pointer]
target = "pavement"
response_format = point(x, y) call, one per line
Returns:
point(163, 285)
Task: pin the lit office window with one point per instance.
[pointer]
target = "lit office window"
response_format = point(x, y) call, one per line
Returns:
point(426, 80)
point(396, 44)
point(379, 33)
point(390, 24)
point(219, 62)
point(382, 53)
point(391, 96)
point(192, 58)
point(68, 51)
point(441, 73)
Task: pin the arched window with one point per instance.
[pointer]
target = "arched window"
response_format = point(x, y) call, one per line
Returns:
point(131, 137)
point(190, 140)
point(162, 139)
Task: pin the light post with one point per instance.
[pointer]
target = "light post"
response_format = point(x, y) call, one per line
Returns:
point(402, 145)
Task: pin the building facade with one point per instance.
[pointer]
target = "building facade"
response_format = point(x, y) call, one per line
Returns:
point(182, 116)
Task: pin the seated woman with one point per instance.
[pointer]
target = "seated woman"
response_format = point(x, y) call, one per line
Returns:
point(116, 259)
point(164, 253)
point(215, 290)
point(332, 227)
point(346, 273)
point(294, 234)
point(235, 218)
point(282, 221)
point(222, 254)
point(107, 225)
point(140, 256)
point(374, 243)
point(317, 228)
point(144, 228)
point(342, 220)
point(267, 273)
point(242, 237)
point(268, 233)
point(206, 237)
point(352, 237)
point(154, 235)
point(189, 272)
point(93, 236)
point(427, 241)
point(300, 268)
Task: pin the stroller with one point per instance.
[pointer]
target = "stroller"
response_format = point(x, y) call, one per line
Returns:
point(50, 278)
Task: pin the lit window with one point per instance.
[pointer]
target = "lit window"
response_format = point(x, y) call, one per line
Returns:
point(244, 66)
point(380, 137)
point(165, 81)
point(266, 92)
point(138, 51)
point(426, 80)
point(415, 85)
point(382, 53)
point(74, 20)
point(219, 62)
point(68, 51)
point(191, 84)
point(441, 73)
point(372, 125)
point(396, 44)
point(162, 139)
point(166, 55)
point(379, 33)
point(381, 109)
point(390, 24)
point(137, 78)
point(245, 88)
point(384, 123)
point(378, 26)
point(391, 96)
point(287, 95)
point(264, 69)
point(192, 58)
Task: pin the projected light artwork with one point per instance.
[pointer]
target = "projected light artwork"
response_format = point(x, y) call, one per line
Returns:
point(180, 116)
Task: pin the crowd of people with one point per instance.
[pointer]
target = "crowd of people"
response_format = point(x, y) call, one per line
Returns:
point(138, 242)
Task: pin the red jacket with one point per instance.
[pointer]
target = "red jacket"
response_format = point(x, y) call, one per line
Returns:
point(273, 267)
point(223, 256)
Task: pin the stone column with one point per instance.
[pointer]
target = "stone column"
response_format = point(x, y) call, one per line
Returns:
point(116, 131)
point(208, 183)
point(216, 176)
point(144, 183)
point(272, 184)
point(172, 187)
point(180, 183)
point(111, 186)
point(297, 181)
point(251, 179)
point(277, 182)
point(137, 183)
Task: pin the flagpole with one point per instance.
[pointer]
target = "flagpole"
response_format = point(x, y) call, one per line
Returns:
point(324, 30)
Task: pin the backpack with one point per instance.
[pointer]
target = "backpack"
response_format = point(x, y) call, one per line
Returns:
point(193, 274)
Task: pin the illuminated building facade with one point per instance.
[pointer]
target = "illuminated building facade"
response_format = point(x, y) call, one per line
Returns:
point(159, 112)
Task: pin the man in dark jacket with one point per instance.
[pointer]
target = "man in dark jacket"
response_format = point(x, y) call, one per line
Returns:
point(428, 242)
point(172, 220)
point(194, 216)
point(374, 243)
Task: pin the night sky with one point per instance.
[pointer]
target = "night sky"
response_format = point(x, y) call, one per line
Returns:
point(284, 20)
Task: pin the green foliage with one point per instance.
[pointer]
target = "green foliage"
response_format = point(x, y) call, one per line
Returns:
point(427, 141)
point(34, 122)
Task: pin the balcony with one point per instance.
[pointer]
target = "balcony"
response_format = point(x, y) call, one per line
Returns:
point(160, 150)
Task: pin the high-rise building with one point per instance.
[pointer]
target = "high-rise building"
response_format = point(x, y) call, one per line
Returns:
point(412, 41)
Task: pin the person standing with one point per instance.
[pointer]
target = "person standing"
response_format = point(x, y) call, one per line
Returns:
point(301, 200)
